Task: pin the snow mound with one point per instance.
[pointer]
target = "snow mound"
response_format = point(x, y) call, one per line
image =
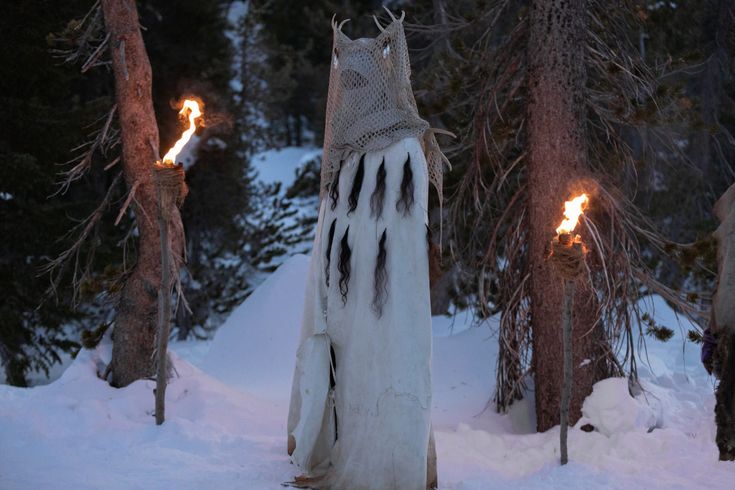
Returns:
point(462, 357)
point(79, 432)
point(611, 410)
point(255, 349)
point(280, 165)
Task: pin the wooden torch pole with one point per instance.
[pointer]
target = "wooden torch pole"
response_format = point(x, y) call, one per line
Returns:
point(566, 392)
point(170, 191)
point(567, 257)
point(164, 315)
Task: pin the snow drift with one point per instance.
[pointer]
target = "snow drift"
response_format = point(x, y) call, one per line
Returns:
point(610, 409)
point(255, 349)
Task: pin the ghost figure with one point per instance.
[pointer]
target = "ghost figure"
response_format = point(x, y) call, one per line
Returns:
point(360, 413)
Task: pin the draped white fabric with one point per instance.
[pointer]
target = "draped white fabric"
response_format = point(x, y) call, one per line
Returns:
point(372, 430)
point(723, 304)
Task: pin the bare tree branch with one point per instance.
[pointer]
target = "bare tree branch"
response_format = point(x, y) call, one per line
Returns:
point(84, 232)
point(103, 138)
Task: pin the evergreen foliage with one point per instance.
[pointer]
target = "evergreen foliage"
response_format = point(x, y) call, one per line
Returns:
point(49, 108)
point(264, 83)
point(191, 55)
point(46, 111)
point(297, 42)
point(645, 99)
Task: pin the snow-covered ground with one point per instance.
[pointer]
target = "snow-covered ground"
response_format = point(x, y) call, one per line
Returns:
point(226, 414)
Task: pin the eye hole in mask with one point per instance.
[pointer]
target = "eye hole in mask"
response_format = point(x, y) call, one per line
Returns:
point(386, 49)
point(335, 58)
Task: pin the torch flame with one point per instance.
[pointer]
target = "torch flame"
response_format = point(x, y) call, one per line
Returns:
point(194, 113)
point(572, 211)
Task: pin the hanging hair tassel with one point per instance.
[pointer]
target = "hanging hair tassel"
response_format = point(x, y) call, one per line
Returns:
point(344, 265)
point(334, 188)
point(405, 202)
point(381, 278)
point(329, 249)
point(356, 186)
point(378, 196)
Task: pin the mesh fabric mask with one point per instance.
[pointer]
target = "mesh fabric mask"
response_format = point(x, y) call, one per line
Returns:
point(370, 103)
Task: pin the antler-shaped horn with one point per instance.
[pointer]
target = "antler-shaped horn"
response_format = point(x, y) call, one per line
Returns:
point(403, 14)
point(377, 23)
point(338, 27)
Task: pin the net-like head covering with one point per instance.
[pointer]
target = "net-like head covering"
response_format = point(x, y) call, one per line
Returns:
point(370, 103)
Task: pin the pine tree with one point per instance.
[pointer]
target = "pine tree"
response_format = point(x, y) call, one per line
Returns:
point(297, 42)
point(557, 161)
point(135, 322)
point(190, 53)
point(530, 126)
point(46, 110)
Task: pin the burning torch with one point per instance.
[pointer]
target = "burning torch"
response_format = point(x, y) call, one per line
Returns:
point(171, 191)
point(567, 258)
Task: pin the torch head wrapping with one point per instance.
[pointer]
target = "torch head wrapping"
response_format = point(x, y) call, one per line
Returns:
point(567, 255)
point(567, 249)
point(170, 185)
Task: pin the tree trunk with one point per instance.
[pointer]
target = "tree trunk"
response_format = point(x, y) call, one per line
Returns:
point(135, 324)
point(725, 396)
point(289, 133)
point(558, 153)
point(298, 129)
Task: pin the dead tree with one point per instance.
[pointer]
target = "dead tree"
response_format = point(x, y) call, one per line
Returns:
point(135, 323)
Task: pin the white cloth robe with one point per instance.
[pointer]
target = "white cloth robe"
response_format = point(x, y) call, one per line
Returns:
point(382, 393)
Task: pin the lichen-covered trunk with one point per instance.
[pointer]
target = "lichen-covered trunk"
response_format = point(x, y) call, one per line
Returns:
point(135, 323)
point(557, 151)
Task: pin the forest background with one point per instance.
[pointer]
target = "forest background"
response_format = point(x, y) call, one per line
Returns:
point(658, 108)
